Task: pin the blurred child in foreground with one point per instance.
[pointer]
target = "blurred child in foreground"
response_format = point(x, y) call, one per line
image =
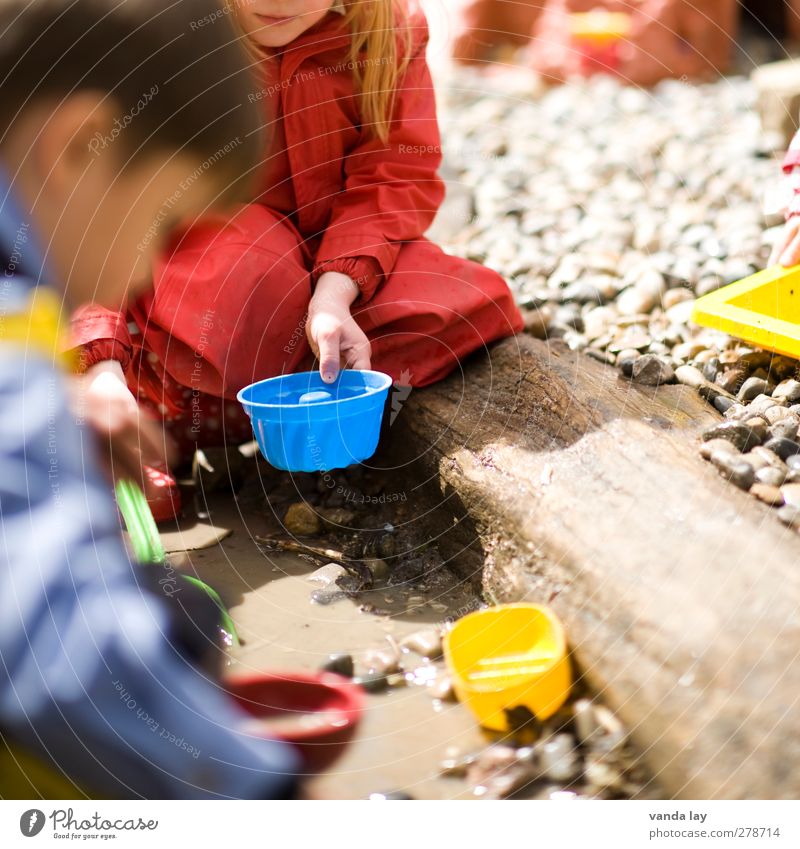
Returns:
point(110, 124)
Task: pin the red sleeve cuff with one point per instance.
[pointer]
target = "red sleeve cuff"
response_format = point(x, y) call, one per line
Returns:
point(99, 334)
point(100, 350)
point(364, 271)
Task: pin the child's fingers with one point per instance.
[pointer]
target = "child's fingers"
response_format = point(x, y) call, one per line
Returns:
point(358, 356)
point(791, 255)
point(790, 232)
point(328, 342)
point(152, 443)
point(125, 462)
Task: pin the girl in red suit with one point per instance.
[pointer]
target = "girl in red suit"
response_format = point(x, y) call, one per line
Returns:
point(330, 261)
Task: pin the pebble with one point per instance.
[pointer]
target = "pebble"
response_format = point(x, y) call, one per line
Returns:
point(791, 494)
point(384, 660)
point(558, 758)
point(602, 775)
point(783, 447)
point(730, 358)
point(730, 380)
point(711, 393)
point(327, 574)
point(614, 734)
point(758, 426)
point(708, 448)
point(786, 428)
point(762, 403)
point(336, 518)
point(789, 515)
point(456, 762)
point(687, 350)
point(690, 376)
point(738, 472)
point(442, 689)
point(372, 682)
point(788, 390)
point(675, 296)
point(755, 460)
point(341, 663)
point(768, 494)
point(770, 476)
point(538, 321)
point(425, 643)
point(634, 301)
point(751, 388)
point(736, 411)
point(378, 568)
point(711, 367)
point(651, 370)
point(587, 725)
point(625, 360)
point(777, 414)
point(681, 313)
point(737, 433)
point(770, 456)
point(302, 520)
point(390, 796)
point(327, 596)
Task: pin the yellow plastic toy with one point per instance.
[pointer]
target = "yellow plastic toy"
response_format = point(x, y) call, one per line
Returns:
point(600, 26)
point(512, 655)
point(763, 309)
point(38, 326)
point(24, 776)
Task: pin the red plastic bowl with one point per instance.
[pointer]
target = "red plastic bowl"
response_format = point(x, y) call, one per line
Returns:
point(289, 696)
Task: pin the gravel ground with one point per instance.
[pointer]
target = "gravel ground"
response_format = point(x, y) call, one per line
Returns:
point(610, 210)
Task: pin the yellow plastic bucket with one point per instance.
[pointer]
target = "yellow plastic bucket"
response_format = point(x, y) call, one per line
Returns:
point(512, 655)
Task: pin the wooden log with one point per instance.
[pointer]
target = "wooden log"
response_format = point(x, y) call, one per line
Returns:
point(679, 592)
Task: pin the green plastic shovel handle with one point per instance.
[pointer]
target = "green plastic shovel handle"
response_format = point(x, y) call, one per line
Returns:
point(147, 546)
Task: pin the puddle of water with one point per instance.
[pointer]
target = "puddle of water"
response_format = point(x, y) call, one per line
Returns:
point(405, 732)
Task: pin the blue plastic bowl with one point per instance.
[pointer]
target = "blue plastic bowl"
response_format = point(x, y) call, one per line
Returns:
point(302, 424)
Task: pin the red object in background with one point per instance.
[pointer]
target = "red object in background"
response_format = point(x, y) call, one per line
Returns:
point(288, 696)
point(668, 38)
point(597, 59)
point(487, 25)
point(597, 38)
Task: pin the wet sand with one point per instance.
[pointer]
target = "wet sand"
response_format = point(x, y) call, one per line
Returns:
point(405, 732)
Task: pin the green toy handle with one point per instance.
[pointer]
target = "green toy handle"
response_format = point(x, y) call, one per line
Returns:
point(147, 546)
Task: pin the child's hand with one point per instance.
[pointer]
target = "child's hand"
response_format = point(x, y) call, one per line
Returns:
point(787, 248)
point(332, 333)
point(110, 409)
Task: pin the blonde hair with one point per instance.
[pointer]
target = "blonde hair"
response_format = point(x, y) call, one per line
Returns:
point(379, 55)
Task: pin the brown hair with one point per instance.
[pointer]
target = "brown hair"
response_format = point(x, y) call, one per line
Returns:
point(379, 54)
point(182, 54)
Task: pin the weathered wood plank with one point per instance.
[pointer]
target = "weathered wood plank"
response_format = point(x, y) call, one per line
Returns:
point(679, 592)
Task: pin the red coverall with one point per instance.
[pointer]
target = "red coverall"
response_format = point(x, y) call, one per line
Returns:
point(229, 302)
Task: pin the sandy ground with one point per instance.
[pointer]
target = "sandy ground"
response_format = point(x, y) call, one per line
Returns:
point(405, 733)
